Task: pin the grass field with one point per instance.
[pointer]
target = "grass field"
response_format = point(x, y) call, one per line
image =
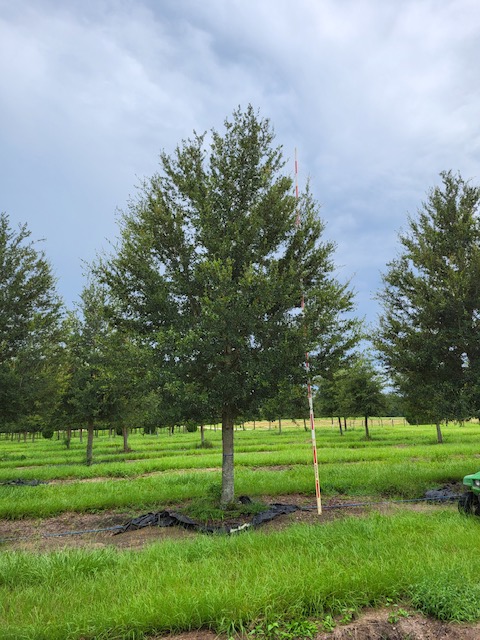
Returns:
point(304, 571)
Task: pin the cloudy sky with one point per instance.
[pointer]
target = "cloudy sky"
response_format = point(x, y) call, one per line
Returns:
point(378, 97)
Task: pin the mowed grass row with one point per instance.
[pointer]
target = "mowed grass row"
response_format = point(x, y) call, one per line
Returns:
point(51, 452)
point(50, 460)
point(391, 465)
point(231, 584)
point(377, 480)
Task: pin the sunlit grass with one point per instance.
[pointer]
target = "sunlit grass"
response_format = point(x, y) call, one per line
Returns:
point(231, 583)
point(226, 584)
point(400, 461)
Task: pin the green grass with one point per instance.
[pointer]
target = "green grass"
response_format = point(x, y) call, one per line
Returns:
point(375, 479)
point(162, 470)
point(289, 577)
point(235, 583)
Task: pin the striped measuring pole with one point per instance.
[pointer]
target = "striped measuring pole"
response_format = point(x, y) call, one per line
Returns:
point(307, 368)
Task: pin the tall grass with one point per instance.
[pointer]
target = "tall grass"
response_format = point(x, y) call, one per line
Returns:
point(373, 479)
point(399, 461)
point(220, 583)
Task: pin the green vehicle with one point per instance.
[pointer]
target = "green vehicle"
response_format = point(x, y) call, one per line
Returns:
point(470, 502)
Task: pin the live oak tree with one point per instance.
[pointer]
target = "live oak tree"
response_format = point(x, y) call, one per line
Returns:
point(358, 391)
point(126, 379)
point(211, 265)
point(84, 401)
point(30, 321)
point(429, 334)
point(327, 403)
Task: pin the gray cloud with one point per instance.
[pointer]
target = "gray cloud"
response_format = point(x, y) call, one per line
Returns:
point(378, 97)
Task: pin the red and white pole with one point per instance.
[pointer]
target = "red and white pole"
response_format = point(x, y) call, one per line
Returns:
point(307, 368)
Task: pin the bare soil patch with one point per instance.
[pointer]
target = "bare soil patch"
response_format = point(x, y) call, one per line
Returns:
point(375, 625)
point(80, 530)
point(372, 625)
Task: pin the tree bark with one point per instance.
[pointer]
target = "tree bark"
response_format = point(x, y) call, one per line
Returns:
point(367, 432)
point(439, 434)
point(340, 425)
point(228, 490)
point(90, 429)
point(125, 438)
point(279, 425)
point(344, 424)
point(202, 435)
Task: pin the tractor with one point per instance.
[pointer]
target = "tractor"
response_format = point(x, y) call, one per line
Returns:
point(469, 503)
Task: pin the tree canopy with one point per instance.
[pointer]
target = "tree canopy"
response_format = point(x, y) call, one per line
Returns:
point(211, 266)
point(429, 334)
point(30, 321)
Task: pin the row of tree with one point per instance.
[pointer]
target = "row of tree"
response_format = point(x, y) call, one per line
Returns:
point(219, 284)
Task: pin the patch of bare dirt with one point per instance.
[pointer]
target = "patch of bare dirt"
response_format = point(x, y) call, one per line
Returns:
point(372, 625)
point(381, 625)
point(79, 530)
point(48, 534)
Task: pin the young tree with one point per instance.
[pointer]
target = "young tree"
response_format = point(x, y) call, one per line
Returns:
point(359, 391)
point(429, 333)
point(85, 389)
point(126, 379)
point(30, 321)
point(327, 402)
point(211, 266)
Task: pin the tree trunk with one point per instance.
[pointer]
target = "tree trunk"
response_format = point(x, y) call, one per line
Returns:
point(279, 425)
point(228, 490)
point(344, 424)
point(125, 438)
point(367, 433)
point(305, 424)
point(81, 435)
point(254, 425)
point(90, 429)
point(439, 434)
point(202, 435)
point(340, 425)
point(68, 437)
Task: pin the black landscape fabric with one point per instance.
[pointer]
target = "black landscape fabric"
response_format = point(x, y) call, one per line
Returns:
point(174, 519)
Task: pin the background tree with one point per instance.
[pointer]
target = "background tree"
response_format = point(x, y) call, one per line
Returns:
point(359, 391)
point(429, 334)
point(211, 266)
point(30, 329)
point(327, 402)
point(126, 378)
point(85, 387)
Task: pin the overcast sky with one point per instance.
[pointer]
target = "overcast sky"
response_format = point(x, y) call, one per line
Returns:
point(378, 97)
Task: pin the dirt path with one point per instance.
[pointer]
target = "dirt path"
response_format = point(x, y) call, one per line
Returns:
point(55, 533)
